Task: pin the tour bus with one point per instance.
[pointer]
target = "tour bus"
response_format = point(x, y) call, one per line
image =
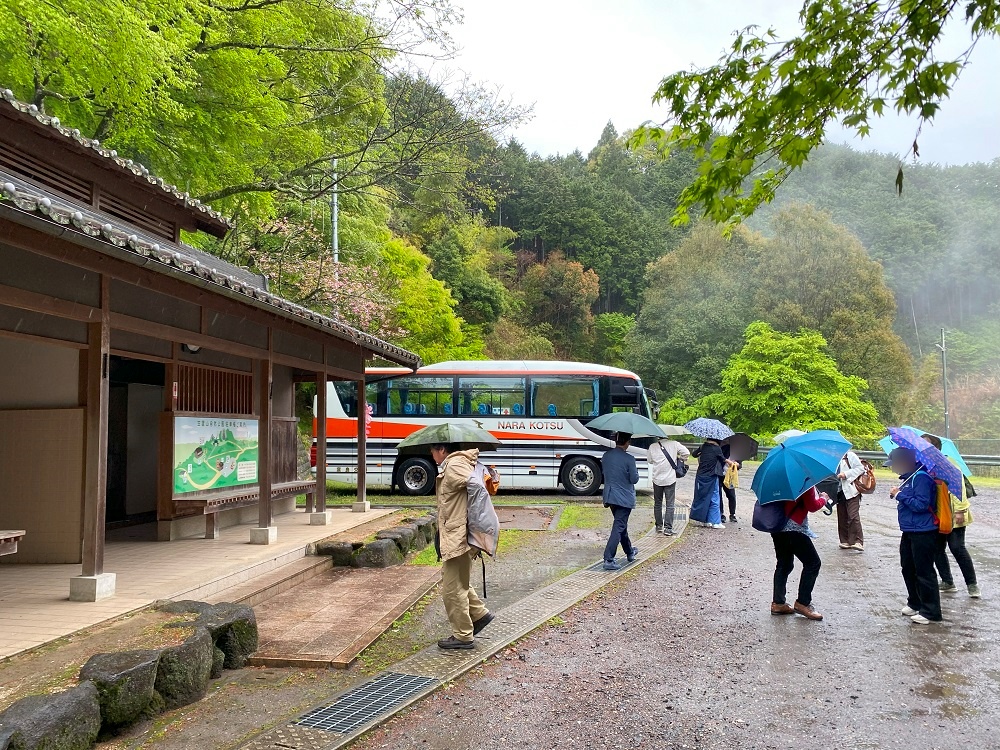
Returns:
point(538, 410)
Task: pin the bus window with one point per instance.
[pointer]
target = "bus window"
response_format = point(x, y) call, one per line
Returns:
point(627, 395)
point(419, 397)
point(491, 397)
point(347, 392)
point(565, 397)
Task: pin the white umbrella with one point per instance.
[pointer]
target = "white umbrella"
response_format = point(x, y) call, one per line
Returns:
point(783, 436)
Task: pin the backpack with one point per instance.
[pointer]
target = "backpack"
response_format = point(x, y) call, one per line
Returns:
point(943, 513)
point(865, 484)
point(483, 526)
point(770, 518)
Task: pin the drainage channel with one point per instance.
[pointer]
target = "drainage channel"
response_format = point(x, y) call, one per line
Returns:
point(337, 723)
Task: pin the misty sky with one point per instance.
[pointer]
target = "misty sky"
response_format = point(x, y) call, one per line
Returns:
point(584, 62)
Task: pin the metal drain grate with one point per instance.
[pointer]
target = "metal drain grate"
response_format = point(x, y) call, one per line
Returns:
point(365, 703)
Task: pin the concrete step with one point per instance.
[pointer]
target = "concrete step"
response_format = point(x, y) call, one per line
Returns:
point(272, 582)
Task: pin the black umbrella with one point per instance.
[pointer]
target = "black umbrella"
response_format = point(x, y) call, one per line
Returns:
point(742, 447)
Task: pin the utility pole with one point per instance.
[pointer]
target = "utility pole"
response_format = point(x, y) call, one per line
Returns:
point(335, 233)
point(944, 383)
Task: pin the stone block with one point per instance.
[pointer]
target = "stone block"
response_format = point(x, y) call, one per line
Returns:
point(218, 662)
point(382, 553)
point(340, 552)
point(125, 682)
point(266, 535)
point(91, 588)
point(362, 506)
point(233, 627)
point(70, 720)
point(183, 671)
point(322, 518)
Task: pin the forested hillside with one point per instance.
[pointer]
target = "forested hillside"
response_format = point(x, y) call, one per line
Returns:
point(457, 243)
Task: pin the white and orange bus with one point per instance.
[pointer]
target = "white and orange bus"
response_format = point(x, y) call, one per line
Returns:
point(539, 410)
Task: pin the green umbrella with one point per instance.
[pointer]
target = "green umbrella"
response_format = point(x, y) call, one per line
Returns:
point(458, 433)
point(627, 421)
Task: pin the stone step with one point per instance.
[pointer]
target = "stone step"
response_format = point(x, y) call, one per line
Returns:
point(273, 582)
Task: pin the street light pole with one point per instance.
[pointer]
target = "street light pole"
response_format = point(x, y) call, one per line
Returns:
point(944, 383)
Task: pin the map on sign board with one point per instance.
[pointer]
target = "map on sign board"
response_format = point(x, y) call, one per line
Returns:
point(214, 453)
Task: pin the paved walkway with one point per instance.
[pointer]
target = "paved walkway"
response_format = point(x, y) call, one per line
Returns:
point(34, 599)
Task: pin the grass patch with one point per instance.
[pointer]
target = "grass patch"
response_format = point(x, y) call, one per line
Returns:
point(426, 556)
point(583, 517)
point(404, 638)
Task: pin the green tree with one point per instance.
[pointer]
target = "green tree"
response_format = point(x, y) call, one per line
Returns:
point(560, 293)
point(611, 331)
point(510, 340)
point(780, 380)
point(758, 113)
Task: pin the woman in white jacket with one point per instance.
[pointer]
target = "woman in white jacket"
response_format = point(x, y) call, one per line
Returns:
point(852, 536)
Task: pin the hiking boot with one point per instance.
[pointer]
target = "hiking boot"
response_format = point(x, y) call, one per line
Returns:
point(858, 546)
point(909, 612)
point(631, 557)
point(733, 519)
point(974, 591)
point(946, 587)
point(611, 565)
point(781, 609)
point(807, 611)
point(451, 642)
point(919, 619)
point(482, 622)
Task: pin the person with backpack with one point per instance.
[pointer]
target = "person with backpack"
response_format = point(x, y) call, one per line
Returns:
point(466, 612)
point(852, 535)
point(793, 540)
point(620, 477)
point(916, 502)
point(955, 541)
point(666, 464)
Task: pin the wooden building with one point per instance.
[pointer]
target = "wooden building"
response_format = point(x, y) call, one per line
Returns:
point(141, 378)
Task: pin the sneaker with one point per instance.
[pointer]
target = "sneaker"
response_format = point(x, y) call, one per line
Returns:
point(668, 532)
point(659, 529)
point(717, 525)
point(858, 546)
point(974, 591)
point(733, 519)
point(919, 619)
point(845, 545)
point(451, 642)
point(781, 609)
point(611, 565)
point(909, 612)
point(807, 611)
point(949, 588)
point(482, 622)
point(635, 554)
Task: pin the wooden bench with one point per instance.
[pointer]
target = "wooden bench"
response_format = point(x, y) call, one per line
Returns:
point(9, 540)
point(212, 505)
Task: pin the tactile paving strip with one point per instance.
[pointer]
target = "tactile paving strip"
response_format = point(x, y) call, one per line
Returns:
point(292, 737)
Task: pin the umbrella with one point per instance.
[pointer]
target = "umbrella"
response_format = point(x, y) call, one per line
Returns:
point(465, 435)
point(709, 429)
point(742, 447)
point(948, 448)
point(798, 464)
point(932, 459)
point(627, 421)
point(785, 434)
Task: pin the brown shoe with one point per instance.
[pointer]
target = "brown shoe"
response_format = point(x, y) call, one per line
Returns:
point(781, 609)
point(808, 612)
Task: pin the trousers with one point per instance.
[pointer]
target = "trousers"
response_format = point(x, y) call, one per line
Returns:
point(956, 543)
point(664, 497)
point(461, 602)
point(619, 533)
point(729, 493)
point(849, 520)
point(789, 545)
point(917, 550)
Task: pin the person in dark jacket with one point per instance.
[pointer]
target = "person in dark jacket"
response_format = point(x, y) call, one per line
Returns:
point(729, 493)
point(916, 501)
point(620, 476)
point(706, 508)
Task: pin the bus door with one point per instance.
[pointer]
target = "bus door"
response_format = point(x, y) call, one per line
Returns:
point(342, 431)
point(496, 403)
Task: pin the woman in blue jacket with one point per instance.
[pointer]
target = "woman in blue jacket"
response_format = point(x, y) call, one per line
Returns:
point(916, 501)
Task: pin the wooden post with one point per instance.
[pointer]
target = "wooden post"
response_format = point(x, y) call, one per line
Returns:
point(265, 533)
point(361, 505)
point(94, 583)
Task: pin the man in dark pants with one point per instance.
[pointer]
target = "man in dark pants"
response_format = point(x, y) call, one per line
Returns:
point(795, 541)
point(729, 493)
point(620, 475)
point(916, 501)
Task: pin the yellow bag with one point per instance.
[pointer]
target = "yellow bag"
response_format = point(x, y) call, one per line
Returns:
point(732, 478)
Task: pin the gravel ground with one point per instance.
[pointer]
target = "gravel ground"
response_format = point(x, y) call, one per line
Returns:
point(684, 654)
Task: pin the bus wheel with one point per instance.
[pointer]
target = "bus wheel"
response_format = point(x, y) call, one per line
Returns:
point(415, 476)
point(581, 476)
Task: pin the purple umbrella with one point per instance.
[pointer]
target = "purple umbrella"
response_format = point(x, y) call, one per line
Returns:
point(936, 463)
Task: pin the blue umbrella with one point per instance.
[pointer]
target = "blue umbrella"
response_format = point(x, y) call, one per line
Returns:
point(797, 464)
point(936, 463)
point(948, 448)
point(708, 429)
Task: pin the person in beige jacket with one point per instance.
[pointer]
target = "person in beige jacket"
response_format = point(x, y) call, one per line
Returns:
point(466, 613)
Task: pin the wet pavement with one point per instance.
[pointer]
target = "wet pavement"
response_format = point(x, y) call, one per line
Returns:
point(683, 653)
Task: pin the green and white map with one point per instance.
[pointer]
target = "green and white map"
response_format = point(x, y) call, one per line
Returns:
point(213, 453)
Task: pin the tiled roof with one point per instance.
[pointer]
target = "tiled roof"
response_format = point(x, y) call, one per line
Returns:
point(57, 209)
point(111, 156)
